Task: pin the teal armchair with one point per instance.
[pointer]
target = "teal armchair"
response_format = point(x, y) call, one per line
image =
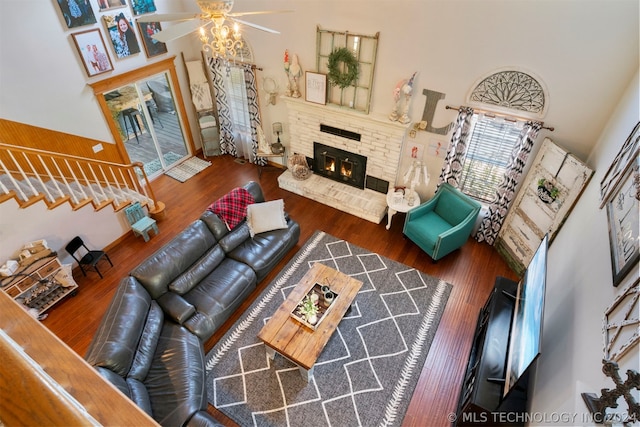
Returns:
point(444, 223)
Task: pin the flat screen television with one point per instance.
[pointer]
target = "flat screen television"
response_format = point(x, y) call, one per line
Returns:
point(525, 339)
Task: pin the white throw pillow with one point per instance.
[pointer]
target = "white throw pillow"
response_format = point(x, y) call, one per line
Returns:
point(266, 216)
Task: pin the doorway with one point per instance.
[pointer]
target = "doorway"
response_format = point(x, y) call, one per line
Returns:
point(147, 118)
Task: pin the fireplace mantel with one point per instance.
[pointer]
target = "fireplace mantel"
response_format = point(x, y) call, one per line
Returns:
point(356, 116)
point(380, 142)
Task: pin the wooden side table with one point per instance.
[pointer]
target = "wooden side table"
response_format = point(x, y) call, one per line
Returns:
point(269, 156)
point(398, 202)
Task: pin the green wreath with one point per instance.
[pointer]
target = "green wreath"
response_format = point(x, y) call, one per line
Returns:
point(336, 76)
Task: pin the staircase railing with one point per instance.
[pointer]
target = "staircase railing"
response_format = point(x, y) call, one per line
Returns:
point(30, 175)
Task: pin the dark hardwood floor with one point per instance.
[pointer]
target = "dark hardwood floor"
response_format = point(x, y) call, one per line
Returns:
point(471, 270)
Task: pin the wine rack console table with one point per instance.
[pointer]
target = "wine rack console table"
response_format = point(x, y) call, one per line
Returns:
point(36, 285)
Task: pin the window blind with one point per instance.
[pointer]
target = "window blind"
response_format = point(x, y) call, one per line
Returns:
point(488, 154)
point(237, 98)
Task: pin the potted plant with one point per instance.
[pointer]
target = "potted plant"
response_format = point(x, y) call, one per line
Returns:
point(547, 191)
point(308, 308)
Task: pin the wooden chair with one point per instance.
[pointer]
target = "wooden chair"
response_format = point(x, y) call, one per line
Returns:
point(140, 222)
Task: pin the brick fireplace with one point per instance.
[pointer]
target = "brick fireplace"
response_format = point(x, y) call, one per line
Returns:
point(372, 137)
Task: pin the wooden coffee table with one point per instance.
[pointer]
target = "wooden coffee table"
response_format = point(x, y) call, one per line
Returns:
point(297, 342)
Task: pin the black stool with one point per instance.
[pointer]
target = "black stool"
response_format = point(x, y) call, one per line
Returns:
point(132, 115)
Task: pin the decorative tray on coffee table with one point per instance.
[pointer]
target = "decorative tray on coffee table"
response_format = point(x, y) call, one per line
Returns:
point(323, 307)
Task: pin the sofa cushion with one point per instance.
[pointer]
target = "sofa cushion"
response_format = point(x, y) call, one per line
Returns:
point(116, 342)
point(199, 270)
point(255, 190)
point(453, 208)
point(265, 250)
point(119, 382)
point(147, 344)
point(139, 394)
point(203, 419)
point(165, 265)
point(266, 216)
point(218, 295)
point(427, 228)
point(176, 380)
point(232, 207)
point(175, 307)
point(215, 224)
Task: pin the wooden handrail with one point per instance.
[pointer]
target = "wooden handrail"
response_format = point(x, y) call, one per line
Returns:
point(43, 382)
point(17, 161)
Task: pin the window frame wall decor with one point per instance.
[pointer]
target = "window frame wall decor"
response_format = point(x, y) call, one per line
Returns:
point(623, 160)
point(622, 215)
point(511, 91)
point(357, 94)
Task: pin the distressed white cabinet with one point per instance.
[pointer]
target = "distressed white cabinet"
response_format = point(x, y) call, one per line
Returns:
point(536, 210)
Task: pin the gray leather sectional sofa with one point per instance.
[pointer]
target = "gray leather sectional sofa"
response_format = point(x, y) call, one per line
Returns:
point(150, 341)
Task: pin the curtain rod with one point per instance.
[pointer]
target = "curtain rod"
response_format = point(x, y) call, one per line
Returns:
point(253, 66)
point(504, 116)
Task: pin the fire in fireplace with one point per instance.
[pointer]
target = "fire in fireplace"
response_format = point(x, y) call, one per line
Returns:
point(339, 165)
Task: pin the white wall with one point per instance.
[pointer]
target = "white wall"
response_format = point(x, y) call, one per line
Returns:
point(580, 288)
point(43, 83)
point(585, 51)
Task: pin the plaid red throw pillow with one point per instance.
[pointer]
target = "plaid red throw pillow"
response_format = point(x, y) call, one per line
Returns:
point(232, 207)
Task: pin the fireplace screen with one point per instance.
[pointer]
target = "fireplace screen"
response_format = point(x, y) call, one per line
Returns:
point(339, 165)
point(346, 168)
point(329, 163)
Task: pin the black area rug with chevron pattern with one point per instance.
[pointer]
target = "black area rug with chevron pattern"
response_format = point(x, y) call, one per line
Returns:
point(368, 370)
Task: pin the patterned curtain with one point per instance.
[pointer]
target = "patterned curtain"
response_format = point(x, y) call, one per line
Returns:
point(254, 112)
point(506, 192)
point(227, 141)
point(452, 169)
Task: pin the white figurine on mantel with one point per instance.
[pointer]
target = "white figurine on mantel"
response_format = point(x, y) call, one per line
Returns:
point(402, 92)
point(294, 71)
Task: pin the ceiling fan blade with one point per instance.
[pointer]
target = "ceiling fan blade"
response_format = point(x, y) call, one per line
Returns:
point(178, 30)
point(259, 12)
point(258, 27)
point(164, 17)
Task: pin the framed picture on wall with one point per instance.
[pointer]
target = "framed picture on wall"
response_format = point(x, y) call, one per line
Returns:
point(623, 216)
point(141, 7)
point(123, 38)
point(316, 87)
point(77, 13)
point(152, 47)
point(111, 4)
point(93, 52)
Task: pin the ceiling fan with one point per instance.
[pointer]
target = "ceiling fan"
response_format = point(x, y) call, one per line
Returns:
point(213, 12)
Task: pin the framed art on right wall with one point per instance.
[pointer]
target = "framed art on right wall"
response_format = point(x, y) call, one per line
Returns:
point(622, 215)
